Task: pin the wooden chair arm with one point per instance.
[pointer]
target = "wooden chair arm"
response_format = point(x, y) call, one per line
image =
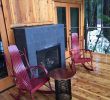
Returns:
point(29, 68)
point(82, 52)
point(85, 52)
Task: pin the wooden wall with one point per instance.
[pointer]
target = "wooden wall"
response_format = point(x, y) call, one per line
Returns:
point(27, 12)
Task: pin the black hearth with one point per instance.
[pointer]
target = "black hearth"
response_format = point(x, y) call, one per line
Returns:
point(49, 57)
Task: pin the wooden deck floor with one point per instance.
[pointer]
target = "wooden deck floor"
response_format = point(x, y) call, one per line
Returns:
point(85, 85)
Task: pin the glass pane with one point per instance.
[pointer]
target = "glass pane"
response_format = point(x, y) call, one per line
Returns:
point(97, 42)
point(74, 14)
point(3, 70)
point(61, 17)
point(97, 25)
point(93, 13)
point(106, 13)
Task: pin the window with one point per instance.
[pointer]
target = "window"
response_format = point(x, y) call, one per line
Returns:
point(69, 15)
point(97, 25)
point(61, 17)
point(3, 70)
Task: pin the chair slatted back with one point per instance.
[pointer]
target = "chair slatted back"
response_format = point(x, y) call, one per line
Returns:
point(75, 45)
point(20, 72)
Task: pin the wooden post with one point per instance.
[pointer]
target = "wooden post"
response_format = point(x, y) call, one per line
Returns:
point(5, 82)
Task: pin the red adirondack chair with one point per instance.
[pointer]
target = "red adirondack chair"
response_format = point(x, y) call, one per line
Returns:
point(21, 77)
point(80, 55)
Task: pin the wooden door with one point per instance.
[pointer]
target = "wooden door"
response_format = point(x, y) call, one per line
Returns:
point(74, 21)
point(69, 15)
point(5, 80)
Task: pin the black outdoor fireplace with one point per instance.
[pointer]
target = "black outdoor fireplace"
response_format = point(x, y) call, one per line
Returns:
point(49, 57)
point(44, 44)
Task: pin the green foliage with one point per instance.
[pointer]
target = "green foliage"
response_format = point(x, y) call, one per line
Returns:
point(106, 19)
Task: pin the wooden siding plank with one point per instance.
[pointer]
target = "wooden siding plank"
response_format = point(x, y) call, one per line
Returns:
point(43, 11)
point(26, 11)
point(35, 6)
point(8, 20)
point(51, 10)
point(15, 11)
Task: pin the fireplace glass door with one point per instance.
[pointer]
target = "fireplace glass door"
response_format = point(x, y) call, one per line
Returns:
point(49, 57)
